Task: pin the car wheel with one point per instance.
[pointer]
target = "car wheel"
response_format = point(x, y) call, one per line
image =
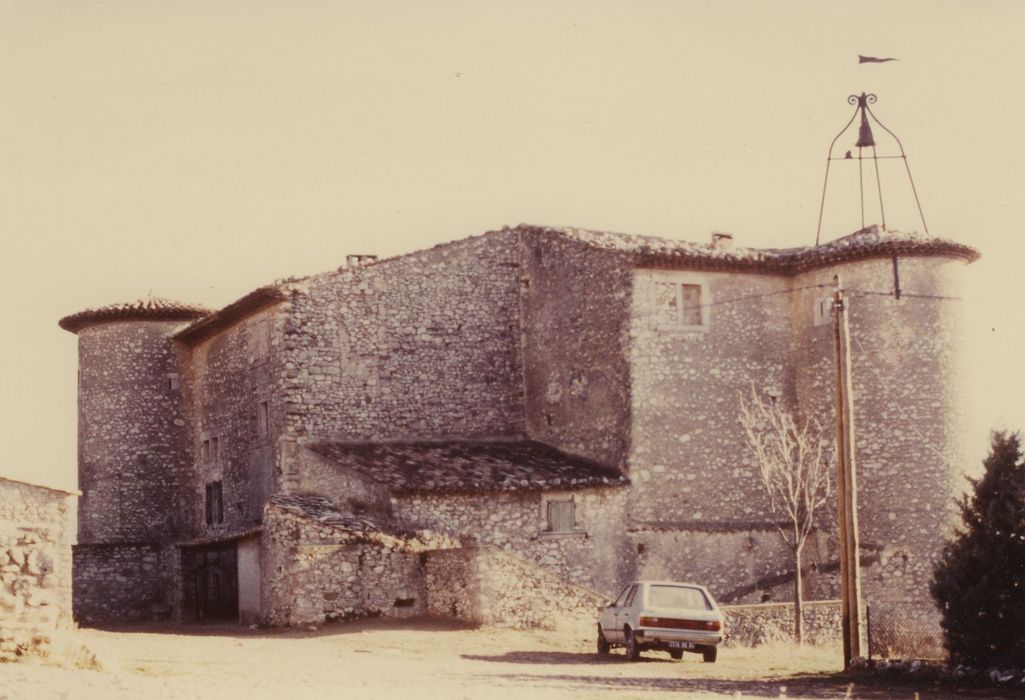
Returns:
point(676, 654)
point(709, 655)
point(633, 649)
point(603, 644)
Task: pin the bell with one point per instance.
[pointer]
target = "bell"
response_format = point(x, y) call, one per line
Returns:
point(865, 133)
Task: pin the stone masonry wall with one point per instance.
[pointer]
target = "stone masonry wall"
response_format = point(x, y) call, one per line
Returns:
point(752, 625)
point(314, 573)
point(347, 489)
point(490, 587)
point(133, 453)
point(689, 461)
point(594, 555)
point(123, 582)
point(747, 566)
point(909, 388)
point(577, 379)
point(35, 567)
point(233, 385)
point(423, 345)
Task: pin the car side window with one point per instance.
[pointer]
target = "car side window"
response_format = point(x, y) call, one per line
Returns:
point(630, 597)
point(622, 597)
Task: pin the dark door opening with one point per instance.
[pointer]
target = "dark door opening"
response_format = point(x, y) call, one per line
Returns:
point(211, 583)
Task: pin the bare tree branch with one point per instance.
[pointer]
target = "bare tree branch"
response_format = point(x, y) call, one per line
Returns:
point(795, 465)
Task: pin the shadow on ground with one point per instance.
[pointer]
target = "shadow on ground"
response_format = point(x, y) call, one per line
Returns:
point(560, 657)
point(811, 686)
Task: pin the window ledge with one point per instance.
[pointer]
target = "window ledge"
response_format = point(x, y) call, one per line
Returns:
point(561, 534)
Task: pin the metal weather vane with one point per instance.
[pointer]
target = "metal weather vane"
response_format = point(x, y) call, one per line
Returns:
point(866, 140)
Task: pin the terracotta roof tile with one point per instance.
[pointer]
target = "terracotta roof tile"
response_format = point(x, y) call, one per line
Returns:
point(869, 242)
point(469, 466)
point(147, 308)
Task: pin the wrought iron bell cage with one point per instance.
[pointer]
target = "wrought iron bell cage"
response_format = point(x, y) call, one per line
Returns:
point(866, 140)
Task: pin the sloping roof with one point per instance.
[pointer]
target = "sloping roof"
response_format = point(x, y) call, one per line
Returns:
point(870, 242)
point(209, 325)
point(147, 308)
point(469, 466)
point(355, 529)
point(324, 512)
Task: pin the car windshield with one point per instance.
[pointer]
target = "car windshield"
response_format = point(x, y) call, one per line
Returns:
point(678, 597)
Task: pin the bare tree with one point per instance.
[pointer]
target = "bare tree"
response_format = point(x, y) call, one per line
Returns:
point(795, 464)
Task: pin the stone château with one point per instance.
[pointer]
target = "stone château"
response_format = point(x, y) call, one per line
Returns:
point(450, 430)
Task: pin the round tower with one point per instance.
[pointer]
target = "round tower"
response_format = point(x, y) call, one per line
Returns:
point(909, 393)
point(133, 452)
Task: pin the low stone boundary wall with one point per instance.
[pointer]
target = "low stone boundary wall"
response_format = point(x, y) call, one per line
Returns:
point(751, 625)
point(492, 587)
point(35, 567)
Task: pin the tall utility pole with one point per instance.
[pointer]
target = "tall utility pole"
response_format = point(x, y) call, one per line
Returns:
point(847, 484)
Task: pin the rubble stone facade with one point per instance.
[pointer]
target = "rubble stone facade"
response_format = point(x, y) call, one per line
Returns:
point(567, 397)
point(35, 566)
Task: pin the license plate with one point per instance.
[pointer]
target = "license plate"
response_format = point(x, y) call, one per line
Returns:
point(681, 645)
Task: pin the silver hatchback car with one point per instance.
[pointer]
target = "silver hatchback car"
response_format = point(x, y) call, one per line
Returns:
point(662, 615)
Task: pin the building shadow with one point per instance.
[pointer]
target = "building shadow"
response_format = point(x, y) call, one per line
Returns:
point(804, 686)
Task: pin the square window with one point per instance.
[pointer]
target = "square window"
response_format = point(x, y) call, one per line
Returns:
point(690, 309)
point(679, 302)
point(561, 516)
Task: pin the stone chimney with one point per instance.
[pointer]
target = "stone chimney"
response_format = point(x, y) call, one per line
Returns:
point(721, 239)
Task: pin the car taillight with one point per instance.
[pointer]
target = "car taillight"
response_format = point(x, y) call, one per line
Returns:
point(672, 623)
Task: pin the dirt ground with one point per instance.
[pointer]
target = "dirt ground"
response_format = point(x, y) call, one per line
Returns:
point(423, 659)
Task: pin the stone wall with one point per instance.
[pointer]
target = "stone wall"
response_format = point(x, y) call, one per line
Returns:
point(490, 587)
point(134, 461)
point(752, 625)
point(577, 379)
point(35, 566)
point(123, 582)
point(594, 555)
point(314, 572)
point(689, 460)
point(748, 565)
point(349, 490)
point(909, 386)
point(233, 386)
point(423, 345)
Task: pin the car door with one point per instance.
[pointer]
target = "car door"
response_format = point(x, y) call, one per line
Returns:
point(610, 618)
point(627, 612)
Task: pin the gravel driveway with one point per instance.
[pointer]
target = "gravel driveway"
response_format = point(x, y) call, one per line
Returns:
point(422, 659)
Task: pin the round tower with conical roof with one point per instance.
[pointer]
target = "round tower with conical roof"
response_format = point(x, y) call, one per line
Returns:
point(133, 451)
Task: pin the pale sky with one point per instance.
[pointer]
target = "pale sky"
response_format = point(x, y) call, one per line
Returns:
point(198, 150)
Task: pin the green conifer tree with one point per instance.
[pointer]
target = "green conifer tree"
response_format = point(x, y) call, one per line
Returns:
point(979, 583)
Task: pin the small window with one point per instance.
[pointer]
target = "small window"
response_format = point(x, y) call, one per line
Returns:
point(214, 503)
point(680, 303)
point(205, 451)
point(561, 516)
point(215, 450)
point(823, 310)
point(173, 381)
point(262, 420)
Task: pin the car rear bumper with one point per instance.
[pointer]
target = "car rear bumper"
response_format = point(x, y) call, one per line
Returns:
point(656, 635)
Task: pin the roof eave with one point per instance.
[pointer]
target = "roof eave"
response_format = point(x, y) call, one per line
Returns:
point(255, 301)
